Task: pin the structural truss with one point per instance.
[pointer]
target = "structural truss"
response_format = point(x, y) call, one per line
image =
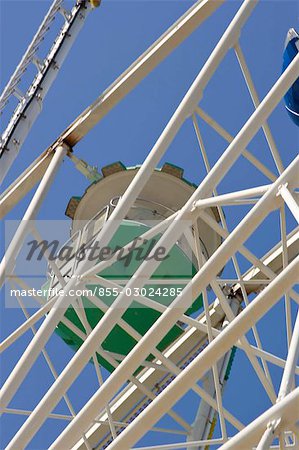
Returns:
point(129, 405)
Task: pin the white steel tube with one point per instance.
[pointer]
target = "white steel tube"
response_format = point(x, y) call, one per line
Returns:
point(189, 102)
point(217, 200)
point(229, 138)
point(287, 381)
point(182, 445)
point(30, 107)
point(140, 68)
point(267, 438)
point(290, 201)
point(158, 330)
point(186, 379)
point(185, 108)
point(256, 102)
point(124, 84)
point(13, 250)
point(27, 325)
point(104, 326)
point(288, 377)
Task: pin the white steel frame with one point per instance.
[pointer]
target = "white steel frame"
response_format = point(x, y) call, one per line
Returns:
point(221, 334)
point(30, 103)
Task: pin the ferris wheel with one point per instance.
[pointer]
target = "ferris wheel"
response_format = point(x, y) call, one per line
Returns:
point(163, 312)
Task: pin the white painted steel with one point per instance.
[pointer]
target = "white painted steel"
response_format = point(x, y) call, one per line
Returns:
point(156, 333)
point(281, 266)
point(290, 201)
point(287, 410)
point(127, 81)
point(31, 103)
point(189, 102)
point(197, 368)
point(7, 263)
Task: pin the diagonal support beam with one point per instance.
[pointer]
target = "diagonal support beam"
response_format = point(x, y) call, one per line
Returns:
point(153, 336)
point(118, 90)
point(189, 102)
point(198, 367)
point(168, 239)
point(290, 201)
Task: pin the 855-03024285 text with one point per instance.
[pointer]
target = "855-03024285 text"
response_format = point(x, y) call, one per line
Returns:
point(149, 291)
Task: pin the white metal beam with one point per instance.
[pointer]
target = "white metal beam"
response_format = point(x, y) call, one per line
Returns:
point(189, 102)
point(241, 324)
point(14, 247)
point(156, 333)
point(169, 238)
point(124, 84)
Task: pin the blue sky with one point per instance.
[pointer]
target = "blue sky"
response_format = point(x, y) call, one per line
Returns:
point(114, 35)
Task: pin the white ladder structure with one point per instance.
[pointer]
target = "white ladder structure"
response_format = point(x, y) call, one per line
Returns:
point(30, 103)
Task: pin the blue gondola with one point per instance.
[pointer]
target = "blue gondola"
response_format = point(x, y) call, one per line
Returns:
point(292, 96)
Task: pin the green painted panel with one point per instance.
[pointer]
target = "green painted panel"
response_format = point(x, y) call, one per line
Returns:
point(141, 318)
